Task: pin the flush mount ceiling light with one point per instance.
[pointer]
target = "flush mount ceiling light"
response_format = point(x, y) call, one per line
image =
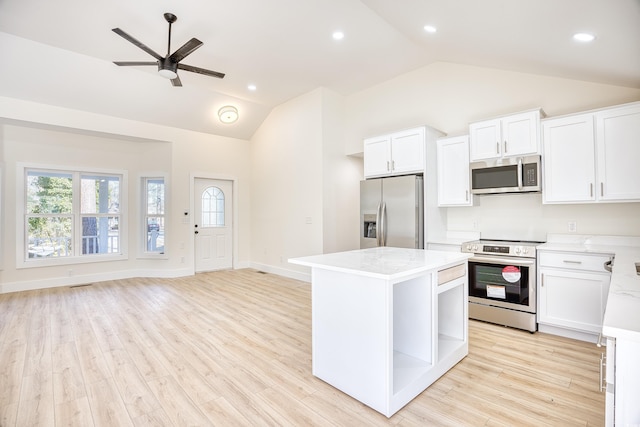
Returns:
point(338, 35)
point(584, 37)
point(228, 114)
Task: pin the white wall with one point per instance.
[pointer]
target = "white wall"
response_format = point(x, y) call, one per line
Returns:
point(449, 97)
point(287, 185)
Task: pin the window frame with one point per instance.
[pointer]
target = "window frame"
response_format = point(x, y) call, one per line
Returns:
point(143, 214)
point(22, 232)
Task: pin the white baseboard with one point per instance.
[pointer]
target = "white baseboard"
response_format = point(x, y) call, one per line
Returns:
point(54, 282)
point(291, 274)
point(568, 333)
point(90, 278)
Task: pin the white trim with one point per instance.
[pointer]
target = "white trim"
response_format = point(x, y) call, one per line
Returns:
point(291, 274)
point(54, 282)
point(22, 263)
point(235, 190)
point(141, 252)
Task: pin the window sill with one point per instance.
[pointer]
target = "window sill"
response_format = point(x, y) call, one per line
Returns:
point(52, 262)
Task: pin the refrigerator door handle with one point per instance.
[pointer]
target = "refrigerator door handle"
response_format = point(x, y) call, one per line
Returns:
point(378, 225)
point(383, 229)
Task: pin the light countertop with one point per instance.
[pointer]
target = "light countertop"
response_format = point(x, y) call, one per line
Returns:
point(622, 314)
point(383, 262)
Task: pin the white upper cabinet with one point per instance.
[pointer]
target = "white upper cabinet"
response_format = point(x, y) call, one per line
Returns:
point(513, 135)
point(592, 157)
point(618, 144)
point(398, 153)
point(569, 159)
point(377, 156)
point(453, 171)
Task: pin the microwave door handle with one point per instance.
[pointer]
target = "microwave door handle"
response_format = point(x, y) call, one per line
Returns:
point(520, 172)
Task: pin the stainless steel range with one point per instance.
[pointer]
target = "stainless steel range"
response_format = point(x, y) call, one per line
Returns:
point(502, 282)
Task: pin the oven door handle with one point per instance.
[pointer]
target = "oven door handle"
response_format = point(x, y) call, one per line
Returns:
point(504, 260)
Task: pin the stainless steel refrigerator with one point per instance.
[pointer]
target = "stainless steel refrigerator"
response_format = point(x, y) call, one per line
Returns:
point(392, 212)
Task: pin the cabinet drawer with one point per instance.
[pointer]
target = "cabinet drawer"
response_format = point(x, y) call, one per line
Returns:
point(573, 260)
point(451, 273)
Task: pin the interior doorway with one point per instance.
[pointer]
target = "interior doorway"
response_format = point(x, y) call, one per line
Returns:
point(213, 224)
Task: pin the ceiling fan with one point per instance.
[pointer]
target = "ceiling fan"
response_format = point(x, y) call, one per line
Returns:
point(169, 65)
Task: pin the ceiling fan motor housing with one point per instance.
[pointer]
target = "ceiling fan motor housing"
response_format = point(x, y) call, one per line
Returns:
point(167, 68)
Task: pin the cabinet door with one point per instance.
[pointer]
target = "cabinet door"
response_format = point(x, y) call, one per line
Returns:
point(569, 160)
point(407, 151)
point(377, 156)
point(453, 171)
point(520, 134)
point(572, 299)
point(484, 140)
point(618, 139)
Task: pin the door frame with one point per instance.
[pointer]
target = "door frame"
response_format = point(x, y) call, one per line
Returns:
point(234, 189)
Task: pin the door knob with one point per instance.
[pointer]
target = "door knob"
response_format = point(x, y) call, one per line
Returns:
point(196, 232)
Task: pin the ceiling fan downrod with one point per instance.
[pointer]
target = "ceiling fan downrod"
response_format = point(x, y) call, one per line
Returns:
point(171, 18)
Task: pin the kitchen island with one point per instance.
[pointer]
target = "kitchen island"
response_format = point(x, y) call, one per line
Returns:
point(387, 322)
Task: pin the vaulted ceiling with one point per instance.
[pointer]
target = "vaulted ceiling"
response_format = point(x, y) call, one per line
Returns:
point(61, 52)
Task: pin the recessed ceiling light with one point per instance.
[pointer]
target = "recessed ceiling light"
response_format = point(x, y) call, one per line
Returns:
point(252, 87)
point(430, 29)
point(584, 37)
point(338, 35)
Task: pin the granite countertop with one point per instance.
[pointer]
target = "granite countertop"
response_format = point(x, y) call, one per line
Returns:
point(383, 262)
point(622, 314)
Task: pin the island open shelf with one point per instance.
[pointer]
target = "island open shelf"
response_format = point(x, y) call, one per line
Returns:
point(385, 325)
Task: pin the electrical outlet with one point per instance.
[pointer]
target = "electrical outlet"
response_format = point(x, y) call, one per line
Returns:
point(573, 226)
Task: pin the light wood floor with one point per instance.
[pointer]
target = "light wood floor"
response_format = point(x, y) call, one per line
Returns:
point(234, 348)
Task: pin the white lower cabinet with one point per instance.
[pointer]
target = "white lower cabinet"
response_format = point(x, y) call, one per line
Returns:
point(621, 382)
point(572, 293)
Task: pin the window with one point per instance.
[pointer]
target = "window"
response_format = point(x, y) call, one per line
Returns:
point(71, 214)
point(154, 214)
point(212, 207)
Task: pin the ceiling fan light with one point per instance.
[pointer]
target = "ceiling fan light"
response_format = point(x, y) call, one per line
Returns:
point(167, 74)
point(228, 114)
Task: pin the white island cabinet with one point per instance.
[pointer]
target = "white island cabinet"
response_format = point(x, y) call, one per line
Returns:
point(387, 322)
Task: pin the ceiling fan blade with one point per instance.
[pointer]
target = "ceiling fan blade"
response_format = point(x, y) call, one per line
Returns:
point(185, 50)
point(201, 71)
point(176, 81)
point(142, 46)
point(134, 63)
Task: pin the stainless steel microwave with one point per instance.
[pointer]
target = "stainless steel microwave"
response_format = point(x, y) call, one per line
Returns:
point(507, 175)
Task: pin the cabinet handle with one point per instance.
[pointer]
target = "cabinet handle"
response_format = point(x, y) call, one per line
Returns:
point(393, 165)
point(388, 170)
point(466, 196)
point(602, 189)
point(542, 280)
point(497, 147)
point(591, 190)
point(603, 364)
point(505, 146)
point(569, 261)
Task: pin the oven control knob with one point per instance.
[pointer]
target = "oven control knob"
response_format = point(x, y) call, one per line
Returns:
point(475, 248)
point(468, 247)
point(518, 250)
point(525, 250)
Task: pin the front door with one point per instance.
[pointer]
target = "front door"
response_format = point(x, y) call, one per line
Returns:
point(213, 224)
